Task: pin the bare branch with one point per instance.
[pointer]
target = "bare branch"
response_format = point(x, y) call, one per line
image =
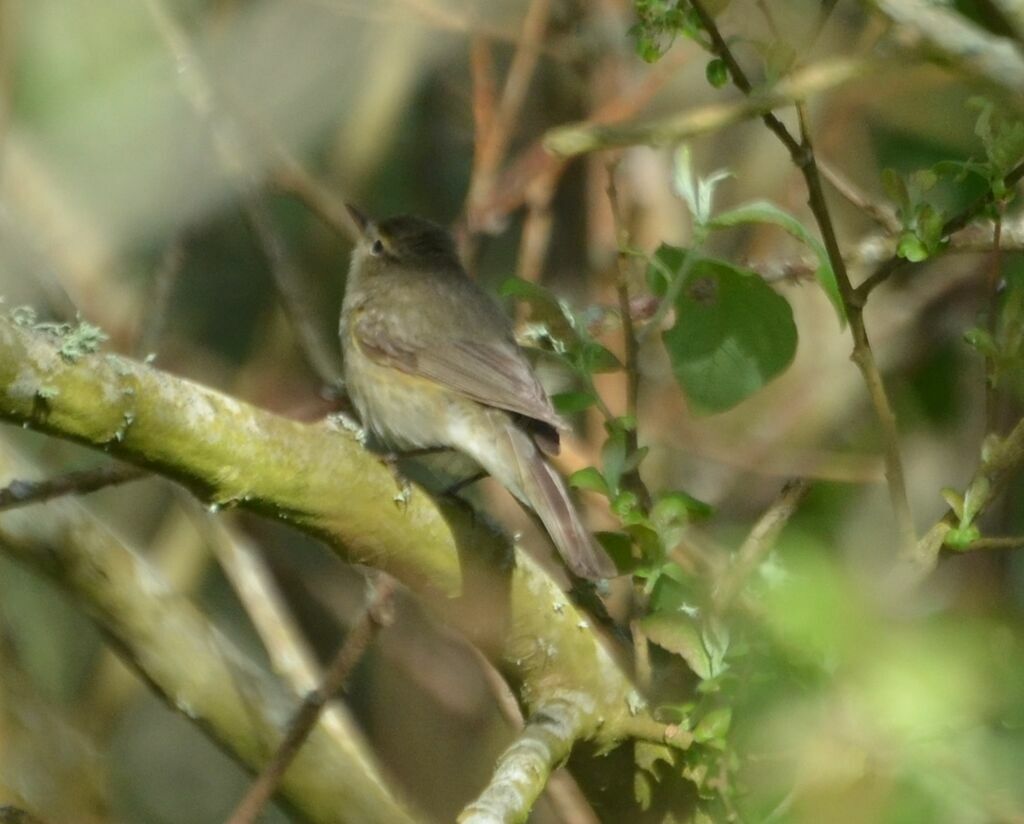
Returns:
point(321, 480)
point(575, 139)
point(377, 615)
point(81, 482)
point(956, 38)
point(758, 544)
point(190, 663)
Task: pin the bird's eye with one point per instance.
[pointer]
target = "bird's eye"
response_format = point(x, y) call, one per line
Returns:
point(377, 248)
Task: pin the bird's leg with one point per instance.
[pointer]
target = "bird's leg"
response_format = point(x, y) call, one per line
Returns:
point(390, 460)
point(458, 486)
point(397, 455)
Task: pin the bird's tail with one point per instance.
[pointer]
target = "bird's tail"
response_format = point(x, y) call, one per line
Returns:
point(538, 485)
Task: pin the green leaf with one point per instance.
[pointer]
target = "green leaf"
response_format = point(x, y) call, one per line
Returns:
point(929, 227)
point(779, 60)
point(714, 726)
point(680, 505)
point(647, 754)
point(974, 499)
point(717, 73)
point(981, 340)
point(911, 248)
point(733, 333)
point(595, 358)
point(955, 501)
point(671, 259)
point(516, 287)
point(679, 633)
point(569, 403)
point(896, 188)
point(620, 547)
point(589, 478)
point(648, 542)
point(613, 459)
point(643, 789)
point(626, 506)
point(961, 537)
point(697, 192)
point(762, 211)
point(669, 593)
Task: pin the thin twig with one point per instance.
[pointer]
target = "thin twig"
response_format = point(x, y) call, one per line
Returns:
point(995, 542)
point(536, 163)
point(580, 138)
point(235, 157)
point(957, 222)
point(160, 294)
point(863, 355)
point(290, 655)
point(991, 290)
point(880, 213)
point(1002, 459)
point(498, 121)
point(758, 544)
point(291, 178)
point(80, 482)
point(293, 288)
point(631, 345)
point(377, 615)
point(824, 12)
point(14, 815)
point(642, 672)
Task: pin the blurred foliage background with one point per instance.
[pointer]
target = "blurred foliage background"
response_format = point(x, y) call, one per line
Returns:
point(837, 695)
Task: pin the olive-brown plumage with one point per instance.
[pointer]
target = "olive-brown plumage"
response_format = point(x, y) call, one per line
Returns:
point(430, 360)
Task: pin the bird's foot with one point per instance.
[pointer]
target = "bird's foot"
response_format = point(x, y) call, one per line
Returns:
point(458, 486)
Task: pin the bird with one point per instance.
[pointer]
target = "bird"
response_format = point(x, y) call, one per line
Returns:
point(430, 360)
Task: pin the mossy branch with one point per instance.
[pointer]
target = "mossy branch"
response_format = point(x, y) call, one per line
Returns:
point(321, 480)
point(195, 668)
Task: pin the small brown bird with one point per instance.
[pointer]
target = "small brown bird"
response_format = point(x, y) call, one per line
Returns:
point(430, 360)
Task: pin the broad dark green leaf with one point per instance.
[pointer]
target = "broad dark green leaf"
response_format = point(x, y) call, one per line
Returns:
point(733, 333)
point(679, 633)
point(595, 358)
point(714, 726)
point(761, 211)
point(526, 290)
point(671, 259)
point(569, 403)
point(589, 478)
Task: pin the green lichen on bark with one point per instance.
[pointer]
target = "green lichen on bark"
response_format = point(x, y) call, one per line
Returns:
point(322, 481)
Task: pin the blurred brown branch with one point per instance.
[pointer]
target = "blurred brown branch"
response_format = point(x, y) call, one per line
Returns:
point(190, 663)
point(236, 158)
point(575, 139)
point(952, 37)
point(81, 482)
point(376, 616)
point(758, 544)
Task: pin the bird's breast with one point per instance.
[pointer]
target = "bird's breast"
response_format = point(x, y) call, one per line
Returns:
point(403, 410)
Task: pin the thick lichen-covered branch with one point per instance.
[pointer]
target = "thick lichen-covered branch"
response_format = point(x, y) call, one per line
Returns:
point(193, 667)
point(321, 480)
point(523, 769)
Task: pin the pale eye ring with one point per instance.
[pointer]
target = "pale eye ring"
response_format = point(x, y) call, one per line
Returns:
point(377, 248)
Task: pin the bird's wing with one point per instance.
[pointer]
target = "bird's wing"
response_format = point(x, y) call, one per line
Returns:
point(494, 373)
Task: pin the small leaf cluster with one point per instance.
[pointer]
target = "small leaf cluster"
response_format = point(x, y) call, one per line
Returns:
point(923, 222)
point(659, 23)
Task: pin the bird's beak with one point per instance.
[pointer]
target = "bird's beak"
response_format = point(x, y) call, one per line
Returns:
point(358, 218)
